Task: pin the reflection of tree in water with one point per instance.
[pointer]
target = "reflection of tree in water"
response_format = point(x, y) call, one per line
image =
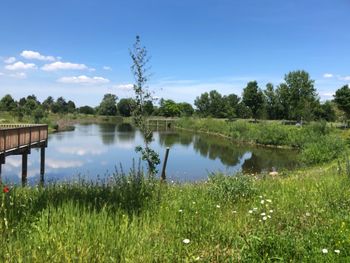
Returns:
point(126, 132)
point(169, 139)
point(218, 148)
point(107, 132)
point(266, 160)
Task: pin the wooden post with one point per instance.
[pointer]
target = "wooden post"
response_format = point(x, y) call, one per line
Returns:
point(163, 177)
point(42, 160)
point(24, 167)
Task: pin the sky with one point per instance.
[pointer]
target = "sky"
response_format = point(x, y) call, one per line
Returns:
point(79, 49)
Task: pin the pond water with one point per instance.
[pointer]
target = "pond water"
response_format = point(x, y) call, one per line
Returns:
point(94, 151)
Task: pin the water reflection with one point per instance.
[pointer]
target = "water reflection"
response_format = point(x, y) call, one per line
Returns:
point(92, 150)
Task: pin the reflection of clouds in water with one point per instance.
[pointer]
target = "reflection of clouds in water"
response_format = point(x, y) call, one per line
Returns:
point(15, 162)
point(81, 151)
point(59, 164)
point(125, 145)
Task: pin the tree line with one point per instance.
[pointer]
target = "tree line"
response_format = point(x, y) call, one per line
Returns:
point(294, 99)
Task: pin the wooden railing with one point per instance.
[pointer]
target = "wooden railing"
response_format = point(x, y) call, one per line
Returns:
point(16, 136)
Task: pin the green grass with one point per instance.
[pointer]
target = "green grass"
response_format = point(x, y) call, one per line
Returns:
point(135, 219)
point(318, 142)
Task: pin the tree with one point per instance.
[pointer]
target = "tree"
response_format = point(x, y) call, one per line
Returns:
point(86, 110)
point(60, 106)
point(186, 109)
point(7, 103)
point(70, 106)
point(126, 106)
point(203, 104)
point(169, 108)
point(273, 107)
point(302, 95)
point(231, 102)
point(253, 98)
point(47, 104)
point(108, 105)
point(30, 105)
point(342, 99)
point(139, 69)
point(325, 111)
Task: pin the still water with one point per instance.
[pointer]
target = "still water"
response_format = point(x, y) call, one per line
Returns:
point(94, 151)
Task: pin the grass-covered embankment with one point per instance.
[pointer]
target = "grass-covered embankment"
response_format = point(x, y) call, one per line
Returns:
point(301, 217)
point(318, 142)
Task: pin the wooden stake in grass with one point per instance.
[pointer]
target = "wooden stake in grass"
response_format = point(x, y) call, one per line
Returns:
point(163, 177)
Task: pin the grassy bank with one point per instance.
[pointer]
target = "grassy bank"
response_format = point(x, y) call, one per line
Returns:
point(250, 219)
point(318, 142)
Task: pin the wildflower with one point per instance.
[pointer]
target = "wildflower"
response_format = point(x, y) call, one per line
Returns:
point(197, 258)
point(269, 200)
point(271, 211)
point(194, 202)
point(234, 211)
point(260, 196)
point(325, 251)
point(263, 214)
point(250, 211)
point(186, 241)
point(6, 189)
point(180, 210)
point(308, 214)
point(262, 201)
point(269, 216)
point(264, 218)
point(336, 251)
point(217, 206)
point(255, 208)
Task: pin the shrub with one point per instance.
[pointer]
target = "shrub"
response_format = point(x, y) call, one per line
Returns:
point(325, 149)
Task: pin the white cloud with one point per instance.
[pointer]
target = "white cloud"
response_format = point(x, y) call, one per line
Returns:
point(1, 74)
point(75, 150)
point(346, 78)
point(29, 54)
point(327, 94)
point(10, 60)
point(20, 66)
point(107, 68)
point(328, 75)
point(83, 80)
point(126, 87)
point(19, 75)
point(63, 66)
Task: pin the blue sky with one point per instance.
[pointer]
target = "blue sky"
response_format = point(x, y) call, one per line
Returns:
point(79, 49)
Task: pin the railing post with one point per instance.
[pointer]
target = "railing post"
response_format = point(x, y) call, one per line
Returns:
point(24, 168)
point(163, 176)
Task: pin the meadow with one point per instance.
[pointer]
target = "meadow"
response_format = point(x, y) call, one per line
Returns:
point(298, 216)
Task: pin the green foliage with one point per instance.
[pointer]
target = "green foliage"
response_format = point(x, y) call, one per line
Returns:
point(108, 105)
point(169, 108)
point(342, 99)
point(253, 98)
point(322, 150)
point(86, 110)
point(143, 96)
point(7, 103)
point(231, 189)
point(125, 107)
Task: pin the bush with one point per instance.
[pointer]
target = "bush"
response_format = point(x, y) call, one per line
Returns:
point(325, 149)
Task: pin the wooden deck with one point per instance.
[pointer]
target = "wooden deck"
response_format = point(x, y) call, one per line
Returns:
point(19, 139)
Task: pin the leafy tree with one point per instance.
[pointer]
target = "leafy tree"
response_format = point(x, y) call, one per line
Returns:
point(186, 109)
point(86, 110)
point(7, 103)
point(108, 105)
point(273, 107)
point(148, 108)
point(139, 69)
point(169, 108)
point(126, 106)
point(30, 105)
point(325, 111)
point(302, 95)
point(203, 104)
point(38, 114)
point(231, 102)
point(60, 106)
point(253, 98)
point(47, 103)
point(70, 106)
point(342, 99)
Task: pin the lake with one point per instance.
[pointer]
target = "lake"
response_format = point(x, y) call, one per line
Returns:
point(95, 150)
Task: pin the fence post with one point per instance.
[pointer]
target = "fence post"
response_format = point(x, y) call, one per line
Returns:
point(163, 177)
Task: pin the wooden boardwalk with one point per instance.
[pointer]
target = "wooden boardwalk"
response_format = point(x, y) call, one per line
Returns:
point(157, 123)
point(19, 139)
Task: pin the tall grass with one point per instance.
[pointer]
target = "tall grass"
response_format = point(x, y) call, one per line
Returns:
point(246, 219)
point(317, 142)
